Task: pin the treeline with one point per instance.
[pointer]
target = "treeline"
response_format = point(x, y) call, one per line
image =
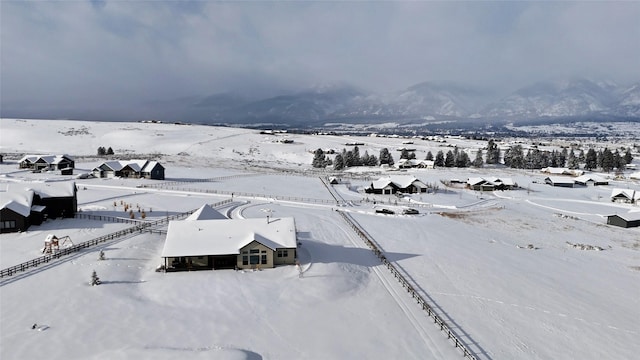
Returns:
point(346, 159)
point(604, 159)
point(514, 157)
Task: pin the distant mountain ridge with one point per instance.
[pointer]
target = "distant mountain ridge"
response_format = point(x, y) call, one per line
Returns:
point(342, 103)
point(427, 100)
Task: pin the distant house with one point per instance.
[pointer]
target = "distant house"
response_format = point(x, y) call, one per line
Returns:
point(635, 176)
point(415, 163)
point(130, 169)
point(394, 184)
point(623, 195)
point(562, 171)
point(625, 220)
point(559, 181)
point(26, 204)
point(590, 180)
point(38, 163)
point(490, 184)
point(229, 244)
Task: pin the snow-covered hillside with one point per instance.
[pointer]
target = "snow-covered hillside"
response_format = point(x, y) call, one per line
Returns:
point(498, 267)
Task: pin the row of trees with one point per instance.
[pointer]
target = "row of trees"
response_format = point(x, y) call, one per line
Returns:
point(102, 151)
point(604, 159)
point(514, 157)
point(351, 158)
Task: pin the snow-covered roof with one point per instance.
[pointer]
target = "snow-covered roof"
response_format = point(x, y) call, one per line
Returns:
point(587, 178)
point(49, 159)
point(404, 181)
point(493, 181)
point(149, 166)
point(475, 180)
point(630, 216)
point(136, 165)
point(46, 189)
point(381, 183)
point(206, 212)
point(227, 237)
point(17, 201)
point(635, 175)
point(627, 193)
point(400, 181)
point(560, 180)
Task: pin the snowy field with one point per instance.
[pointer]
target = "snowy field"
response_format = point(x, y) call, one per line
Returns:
point(497, 266)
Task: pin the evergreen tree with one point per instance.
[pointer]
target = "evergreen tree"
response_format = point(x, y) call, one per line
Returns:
point(319, 159)
point(514, 157)
point(95, 280)
point(628, 158)
point(356, 161)
point(429, 156)
point(478, 161)
point(102, 151)
point(385, 157)
point(462, 160)
point(607, 163)
point(372, 161)
point(109, 151)
point(439, 161)
point(412, 155)
point(493, 153)
point(591, 159)
point(618, 161)
point(572, 161)
point(449, 159)
point(404, 154)
point(338, 162)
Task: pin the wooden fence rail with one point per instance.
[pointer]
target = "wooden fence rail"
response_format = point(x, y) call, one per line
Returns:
point(139, 227)
point(407, 286)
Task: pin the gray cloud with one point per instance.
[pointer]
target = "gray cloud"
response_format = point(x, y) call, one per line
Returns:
point(113, 53)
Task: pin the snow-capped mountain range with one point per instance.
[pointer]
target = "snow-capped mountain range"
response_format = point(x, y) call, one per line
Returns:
point(427, 100)
point(342, 103)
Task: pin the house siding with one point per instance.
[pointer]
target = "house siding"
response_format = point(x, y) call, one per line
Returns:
point(259, 251)
point(12, 221)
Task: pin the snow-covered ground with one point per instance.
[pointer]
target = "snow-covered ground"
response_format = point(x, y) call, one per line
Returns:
point(497, 266)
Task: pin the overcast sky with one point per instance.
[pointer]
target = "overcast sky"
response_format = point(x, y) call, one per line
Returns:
point(72, 52)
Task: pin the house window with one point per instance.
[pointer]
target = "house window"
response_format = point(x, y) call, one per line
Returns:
point(245, 252)
point(9, 224)
point(283, 253)
point(255, 251)
point(264, 259)
point(245, 260)
point(254, 259)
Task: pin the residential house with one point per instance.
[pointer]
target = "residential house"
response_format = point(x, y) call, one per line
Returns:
point(146, 169)
point(562, 171)
point(559, 181)
point(394, 184)
point(490, 184)
point(625, 220)
point(230, 243)
point(26, 204)
point(15, 211)
point(40, 163)
point(415, 163)
point(585, 180)
point(623, 196)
